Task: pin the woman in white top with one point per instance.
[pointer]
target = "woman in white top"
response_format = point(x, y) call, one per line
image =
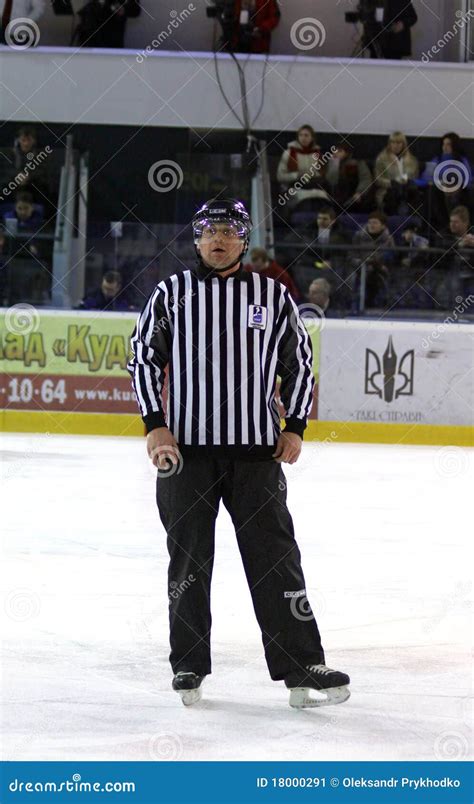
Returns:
point(395, 166)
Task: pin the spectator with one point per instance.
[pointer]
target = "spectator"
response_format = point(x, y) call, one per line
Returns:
point(25, 146)
point(25, 150)
point(395, 170)
point(319, 293)
point(398, 19)
point(109, 297)
point(454, 271)
point(300, 164)
point(412, 271)
point(102, 22)
point(251, 28)
point(373, 260)
point(260, 263)
point(459, 233)
point(24, 9)
point(417, 244)
point(349, 179)
point(443, 197)
point(312, 246)
point(328, 232)
point(26, 216)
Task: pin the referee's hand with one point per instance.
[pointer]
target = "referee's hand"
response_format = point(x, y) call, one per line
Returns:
point(162, 447)
point(288, 448)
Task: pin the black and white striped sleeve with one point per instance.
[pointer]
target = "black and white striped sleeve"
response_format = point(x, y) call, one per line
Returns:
point(295, 367)
point(151, 344)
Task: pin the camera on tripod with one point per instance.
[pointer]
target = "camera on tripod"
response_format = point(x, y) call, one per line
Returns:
point(237, 33)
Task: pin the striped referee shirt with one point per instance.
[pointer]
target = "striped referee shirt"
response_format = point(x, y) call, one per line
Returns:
point(224, 341)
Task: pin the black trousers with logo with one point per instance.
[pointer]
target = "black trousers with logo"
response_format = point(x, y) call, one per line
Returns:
point(254, 493)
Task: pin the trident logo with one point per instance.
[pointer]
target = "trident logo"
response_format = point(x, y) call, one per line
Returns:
point(381, 375)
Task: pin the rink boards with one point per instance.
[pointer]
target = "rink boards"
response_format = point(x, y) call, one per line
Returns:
point(376, 381)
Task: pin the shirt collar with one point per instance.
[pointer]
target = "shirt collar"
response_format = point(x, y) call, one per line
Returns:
point(204, 272)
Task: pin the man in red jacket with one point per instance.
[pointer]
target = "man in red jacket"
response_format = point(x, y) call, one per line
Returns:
point(261, 263)
point(253, 22)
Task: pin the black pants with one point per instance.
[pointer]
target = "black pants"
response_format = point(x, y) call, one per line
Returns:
point(254, 493)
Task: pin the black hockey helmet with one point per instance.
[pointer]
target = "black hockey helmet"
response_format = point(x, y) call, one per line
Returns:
point(225, 210)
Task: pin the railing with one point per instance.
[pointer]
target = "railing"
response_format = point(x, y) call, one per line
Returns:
point(26, 270)
point(364, 278)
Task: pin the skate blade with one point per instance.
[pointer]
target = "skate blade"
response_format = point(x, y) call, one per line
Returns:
point(190, 697)
point(300, 697)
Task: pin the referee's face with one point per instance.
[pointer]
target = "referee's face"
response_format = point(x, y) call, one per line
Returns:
point(220, 245)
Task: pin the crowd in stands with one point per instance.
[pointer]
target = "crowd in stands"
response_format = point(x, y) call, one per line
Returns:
point(381, 233)
point(366, 228)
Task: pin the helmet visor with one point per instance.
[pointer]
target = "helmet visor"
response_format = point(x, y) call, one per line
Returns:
point(206, 228)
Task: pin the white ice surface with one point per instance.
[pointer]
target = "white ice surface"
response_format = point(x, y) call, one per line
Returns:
point(384, 533)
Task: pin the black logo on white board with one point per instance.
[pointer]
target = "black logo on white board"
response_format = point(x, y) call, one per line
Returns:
point(388, 375)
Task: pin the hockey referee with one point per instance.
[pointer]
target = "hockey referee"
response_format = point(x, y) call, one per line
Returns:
point(224, 335)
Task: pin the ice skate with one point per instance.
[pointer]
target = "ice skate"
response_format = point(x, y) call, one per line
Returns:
point(331, 685)
point(189, 687)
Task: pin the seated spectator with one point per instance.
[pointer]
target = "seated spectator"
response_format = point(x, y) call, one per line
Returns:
point(459, 232)
point(26, 217)
point(319, 293)
point(312, 245)
point(410, 238)
point(109, 297)
point(299, 171)
point(102, 22)
point(443, 198)
point(454, 270)
point(261, 263)
point(395, 170)
point(349, 179)
point(375, 258)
